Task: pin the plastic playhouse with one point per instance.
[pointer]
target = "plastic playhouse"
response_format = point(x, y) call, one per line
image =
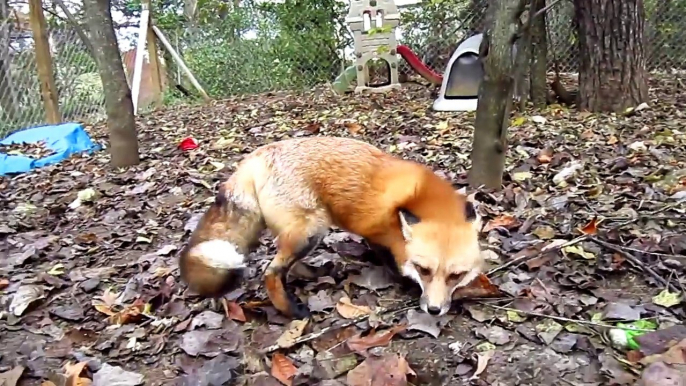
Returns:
point(459, 88)
point(376, 42)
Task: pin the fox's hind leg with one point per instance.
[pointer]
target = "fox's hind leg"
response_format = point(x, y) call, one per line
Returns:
point(294, 241)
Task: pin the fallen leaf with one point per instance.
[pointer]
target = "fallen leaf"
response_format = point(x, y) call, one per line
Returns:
point(349, 310)
point(283, 369)
point(57, 270)
point(361, 344)
point(591, 228)
point(109, 375)
point(236, 312)
point(421, 321)
point(4, 283)
point(667, 299)
point(494, 334)
point(294, 331)
point(544, 232)
point(210, 319)
point(387, 370)
point(521, 176)
point(504, 221)
point(482, 363)
point(374, 279)
point(73, 374)
point(578, 251)
point(548, 330)
point(621, 311)
point(24, 297)
point(353, 128)
point(11, 377)
point(480, 287)
point(320, 302)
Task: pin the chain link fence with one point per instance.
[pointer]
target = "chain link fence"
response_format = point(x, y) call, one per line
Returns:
point(249, 46)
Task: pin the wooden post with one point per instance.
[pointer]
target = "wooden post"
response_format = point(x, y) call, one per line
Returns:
point(155, 68)
point(44, 62)
point(138, 63)
point(180, 62)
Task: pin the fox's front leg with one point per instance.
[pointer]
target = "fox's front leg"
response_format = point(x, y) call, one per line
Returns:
point(291, 248)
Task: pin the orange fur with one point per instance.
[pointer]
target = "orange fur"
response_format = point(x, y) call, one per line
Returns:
point(298, 188)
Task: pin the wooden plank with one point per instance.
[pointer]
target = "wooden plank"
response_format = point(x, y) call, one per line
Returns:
point(180, 62)
point(138, 63)
point(44, 62)
point(155, 67)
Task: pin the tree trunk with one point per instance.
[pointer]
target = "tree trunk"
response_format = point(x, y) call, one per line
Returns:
point(539, 55)
point(612, 74)
point(495, 95)
point(118, 104)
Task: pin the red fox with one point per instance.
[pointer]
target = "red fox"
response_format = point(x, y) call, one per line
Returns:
point(299, 188)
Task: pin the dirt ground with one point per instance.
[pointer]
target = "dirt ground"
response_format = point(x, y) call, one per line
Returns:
point(90, 290)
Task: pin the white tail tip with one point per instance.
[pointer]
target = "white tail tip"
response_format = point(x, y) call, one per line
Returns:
point(219, 254)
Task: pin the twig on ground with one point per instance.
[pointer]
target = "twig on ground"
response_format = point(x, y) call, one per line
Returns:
point(314, 335)
point(636, 261)
point(563, 319)
point(658, 254)
point(525, 258)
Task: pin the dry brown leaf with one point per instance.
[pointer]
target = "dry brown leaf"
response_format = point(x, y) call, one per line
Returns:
point(129, 314)
point(591, 228)
point(349, 310)
point(361, 344)
point(545, 156)
point(505, 221)
point(480, 287)
point(612, 140)
point(11, 377)
point(283, 369)
point(388, 370)
point(353, 128)
point(313, 127)
point(105, 302)
point(481, 363)
point(73, 373)
point(235, 312)
point(48, 383)
point(294, 331)
point(4, 283)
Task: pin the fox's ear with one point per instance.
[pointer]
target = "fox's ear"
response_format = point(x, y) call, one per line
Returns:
point(407, 219)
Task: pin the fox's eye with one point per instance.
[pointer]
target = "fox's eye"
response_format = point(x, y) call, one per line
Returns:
point(423, 270)
point(456, 277)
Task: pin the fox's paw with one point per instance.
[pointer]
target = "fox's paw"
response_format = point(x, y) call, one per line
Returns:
point(298, 310)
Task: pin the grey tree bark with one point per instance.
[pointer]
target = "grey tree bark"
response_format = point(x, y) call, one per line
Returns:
point(495, 94)
point(120, 119)
point(612, 73)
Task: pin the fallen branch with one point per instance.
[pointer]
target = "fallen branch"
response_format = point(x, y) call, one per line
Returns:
point(314, 335)
point(526, 258)
point(636, 262)
point(563, 319)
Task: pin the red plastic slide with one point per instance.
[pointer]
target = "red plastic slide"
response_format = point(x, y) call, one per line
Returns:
point(413, 60)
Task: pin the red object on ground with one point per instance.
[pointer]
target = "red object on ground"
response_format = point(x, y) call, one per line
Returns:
point(413, 60)
point(188, 143)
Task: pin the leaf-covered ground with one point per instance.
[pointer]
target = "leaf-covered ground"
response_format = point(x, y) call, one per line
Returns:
point(590, 214)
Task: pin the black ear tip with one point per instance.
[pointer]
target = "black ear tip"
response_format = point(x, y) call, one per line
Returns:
point(470, 210)
point(410, 217)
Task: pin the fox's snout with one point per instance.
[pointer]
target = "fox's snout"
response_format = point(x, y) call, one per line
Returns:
point(435, 299)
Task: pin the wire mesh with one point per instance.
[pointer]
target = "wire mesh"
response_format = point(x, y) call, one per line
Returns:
point(252, 46)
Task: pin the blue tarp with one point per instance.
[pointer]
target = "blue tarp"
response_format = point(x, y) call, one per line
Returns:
point(64, 139)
